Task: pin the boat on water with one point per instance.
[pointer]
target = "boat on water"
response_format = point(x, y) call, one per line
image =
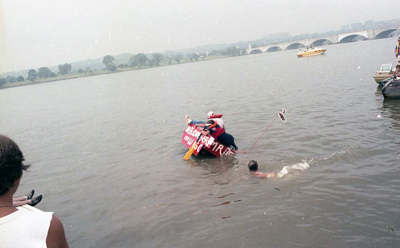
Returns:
point(383, 73)
point(311, 52)
point(391, 89)
point(205, 145)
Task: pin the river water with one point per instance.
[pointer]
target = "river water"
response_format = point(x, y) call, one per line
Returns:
point(106, 152)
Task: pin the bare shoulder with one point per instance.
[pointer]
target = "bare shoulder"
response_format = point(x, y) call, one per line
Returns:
point(264, 175)
point(56, 236)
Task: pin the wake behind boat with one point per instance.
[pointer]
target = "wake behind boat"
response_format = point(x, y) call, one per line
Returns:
point(311, 52)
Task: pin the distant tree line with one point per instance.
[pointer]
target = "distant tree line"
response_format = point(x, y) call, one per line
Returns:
point(42, 72)
point(142, 60)
point(137, 61)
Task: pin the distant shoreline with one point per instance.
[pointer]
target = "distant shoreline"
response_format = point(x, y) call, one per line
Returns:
point(54, 79)
point(97, 73)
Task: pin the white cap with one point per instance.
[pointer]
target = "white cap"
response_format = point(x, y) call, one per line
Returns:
point(210, 114)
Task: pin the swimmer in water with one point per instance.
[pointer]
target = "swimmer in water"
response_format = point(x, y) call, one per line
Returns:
point(253, 167)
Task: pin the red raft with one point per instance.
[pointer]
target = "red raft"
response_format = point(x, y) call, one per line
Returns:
point(205, 145)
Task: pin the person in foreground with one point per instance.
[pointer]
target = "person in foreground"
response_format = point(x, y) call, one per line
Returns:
point(20, 227)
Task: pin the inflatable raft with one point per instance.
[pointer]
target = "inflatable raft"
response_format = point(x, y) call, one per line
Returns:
point(205, 145)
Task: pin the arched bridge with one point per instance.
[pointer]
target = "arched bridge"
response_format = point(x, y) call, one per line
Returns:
point(332, 39)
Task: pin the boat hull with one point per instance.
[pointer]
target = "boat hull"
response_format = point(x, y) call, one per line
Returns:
point(206, 144)
point(391, 89)
point(311, 52)
point(381, 76)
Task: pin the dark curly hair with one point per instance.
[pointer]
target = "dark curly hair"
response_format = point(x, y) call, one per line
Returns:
point(11, 165)
point(253, 165)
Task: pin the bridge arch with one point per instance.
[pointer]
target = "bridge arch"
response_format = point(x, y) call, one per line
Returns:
point(296, 45)
point(352, 38)
point(385, 33)
point(256, 51)
point(321, 42)
point(273, 49)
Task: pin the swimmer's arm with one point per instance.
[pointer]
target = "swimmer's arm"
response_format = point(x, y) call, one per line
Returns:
point(264, 175)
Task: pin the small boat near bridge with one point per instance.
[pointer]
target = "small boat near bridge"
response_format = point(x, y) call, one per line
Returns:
point(311, 52)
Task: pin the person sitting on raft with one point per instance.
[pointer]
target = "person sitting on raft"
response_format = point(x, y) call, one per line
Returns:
point(211, 116)
point(219, 133)
point(27, 199)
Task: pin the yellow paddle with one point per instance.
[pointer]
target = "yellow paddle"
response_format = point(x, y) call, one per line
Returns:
point(191, 150)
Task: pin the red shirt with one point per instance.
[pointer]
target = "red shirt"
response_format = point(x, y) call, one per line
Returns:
point(216, 132)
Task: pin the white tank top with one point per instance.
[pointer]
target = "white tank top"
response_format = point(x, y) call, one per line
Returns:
point(24, 228)
point(219, 121)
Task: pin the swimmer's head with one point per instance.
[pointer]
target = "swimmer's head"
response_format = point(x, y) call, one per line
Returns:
point(253, 166)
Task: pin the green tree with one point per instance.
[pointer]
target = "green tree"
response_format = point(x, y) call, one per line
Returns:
point(32, 74)
point(20, 79)
point(232, 51)
point(138, 60)
point(108, 59)
point(65, 69)
point(133, 62)
point(123, 66)
point(80, 71)
point(156, 58)
point(89, 69)
point(43, 72)
point(111, 67)
point(3, 81)
point(194, 56)
point(11, 79)
point(178, 57)
point(108, 62)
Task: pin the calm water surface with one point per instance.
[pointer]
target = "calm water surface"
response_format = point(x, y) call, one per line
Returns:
point(107, 156)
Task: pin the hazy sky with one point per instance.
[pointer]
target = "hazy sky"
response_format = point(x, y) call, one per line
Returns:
point(36, 33)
